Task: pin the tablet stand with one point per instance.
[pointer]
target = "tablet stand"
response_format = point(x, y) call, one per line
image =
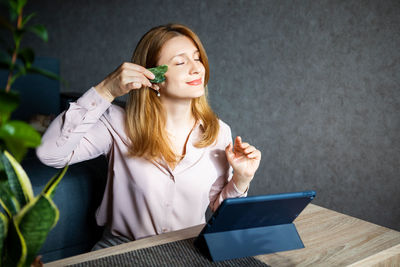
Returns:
point(249, 242)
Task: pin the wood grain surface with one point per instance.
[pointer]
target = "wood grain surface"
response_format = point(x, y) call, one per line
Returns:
point(334, 239)
point(330, 239)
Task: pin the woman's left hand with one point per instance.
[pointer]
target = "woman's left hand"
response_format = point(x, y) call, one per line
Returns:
point(244, 159)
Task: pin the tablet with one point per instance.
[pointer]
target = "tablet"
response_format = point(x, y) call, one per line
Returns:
point(258, 211)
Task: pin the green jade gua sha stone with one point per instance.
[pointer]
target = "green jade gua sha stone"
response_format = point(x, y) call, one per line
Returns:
point(159, 73)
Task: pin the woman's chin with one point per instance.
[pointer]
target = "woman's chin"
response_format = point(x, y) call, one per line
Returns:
point(198, 92)
point(187, 94)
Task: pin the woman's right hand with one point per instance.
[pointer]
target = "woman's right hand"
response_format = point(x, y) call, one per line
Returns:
point(128, 76)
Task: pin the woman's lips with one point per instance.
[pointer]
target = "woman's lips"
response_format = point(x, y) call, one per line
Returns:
point(195, 82)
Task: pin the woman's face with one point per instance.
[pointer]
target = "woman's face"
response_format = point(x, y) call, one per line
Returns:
point(185, 75)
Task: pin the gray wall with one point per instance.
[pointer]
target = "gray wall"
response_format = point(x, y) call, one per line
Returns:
point(315, 85)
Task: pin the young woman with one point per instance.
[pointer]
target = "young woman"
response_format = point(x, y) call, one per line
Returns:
point(169, 155)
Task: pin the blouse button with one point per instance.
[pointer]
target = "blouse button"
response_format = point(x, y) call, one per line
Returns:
point(93, 105)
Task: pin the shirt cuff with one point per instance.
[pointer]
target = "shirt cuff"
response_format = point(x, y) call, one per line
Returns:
point(93, 102)
point(232, 191)
point(82, 114)
point(240, 192)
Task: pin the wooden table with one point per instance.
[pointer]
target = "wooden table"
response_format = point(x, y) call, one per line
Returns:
point(330, 239)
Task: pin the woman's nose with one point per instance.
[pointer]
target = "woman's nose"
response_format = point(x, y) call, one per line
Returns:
point(195, 67)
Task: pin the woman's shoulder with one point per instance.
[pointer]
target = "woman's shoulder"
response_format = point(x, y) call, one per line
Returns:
point(115, 112)
point(115, 117)
point(224, 128)
point(224, 134)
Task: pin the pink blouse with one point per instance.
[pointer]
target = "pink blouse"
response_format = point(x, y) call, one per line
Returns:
point(142, 198)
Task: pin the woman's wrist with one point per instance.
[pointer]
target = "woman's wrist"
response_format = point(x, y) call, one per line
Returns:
point(104, 93)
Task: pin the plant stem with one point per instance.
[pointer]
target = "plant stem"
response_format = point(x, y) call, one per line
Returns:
point(15, 53)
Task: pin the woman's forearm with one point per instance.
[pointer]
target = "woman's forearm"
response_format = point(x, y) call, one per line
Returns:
point(76, 134)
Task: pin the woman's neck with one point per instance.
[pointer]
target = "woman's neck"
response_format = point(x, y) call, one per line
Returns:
point(179, 115)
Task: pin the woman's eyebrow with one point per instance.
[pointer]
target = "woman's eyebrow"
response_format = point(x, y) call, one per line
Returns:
point(178, 55)
point(182, 54)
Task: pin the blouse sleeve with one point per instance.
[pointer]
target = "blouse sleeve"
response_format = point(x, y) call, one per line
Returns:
point(77, 134)
point(224, 187)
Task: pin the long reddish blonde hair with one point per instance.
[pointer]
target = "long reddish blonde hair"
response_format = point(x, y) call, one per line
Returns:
point(145, 117)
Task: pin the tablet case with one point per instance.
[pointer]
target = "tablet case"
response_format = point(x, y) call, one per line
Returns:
point(255, 225)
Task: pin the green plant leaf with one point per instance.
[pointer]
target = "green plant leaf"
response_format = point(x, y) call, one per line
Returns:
point(22, 177)
point(21, 71)
point(17, 34)
point(35, 221)
point(40, 31)
point(3, 233)
point(8, 103)
point(13, 9)
point(21, 132)
point(20, 5)
point(17, 149)
point(159, 73)
point(28, 18)
point(1, 166)
point(19, 182)
point(51, 186)
point(44, 72)
point(7, 199)
point(15, 250)
point(27, 56)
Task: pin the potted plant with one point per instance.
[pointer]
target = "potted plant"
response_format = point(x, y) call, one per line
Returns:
point(25, 220)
